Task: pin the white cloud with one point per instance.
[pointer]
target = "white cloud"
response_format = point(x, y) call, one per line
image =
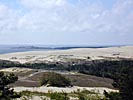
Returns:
point(43, 4)
point(61, 16)
point(8, 19)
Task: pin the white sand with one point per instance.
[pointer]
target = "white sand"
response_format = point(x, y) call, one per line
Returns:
point(15, 69)
point(45, 89)
point(65, 55)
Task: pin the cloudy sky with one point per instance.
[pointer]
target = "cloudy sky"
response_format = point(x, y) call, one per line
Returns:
point(80, 22)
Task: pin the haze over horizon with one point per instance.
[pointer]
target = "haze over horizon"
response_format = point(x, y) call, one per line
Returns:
point(56, 22)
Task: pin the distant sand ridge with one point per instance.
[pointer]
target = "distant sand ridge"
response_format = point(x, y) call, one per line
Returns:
point(70, 54)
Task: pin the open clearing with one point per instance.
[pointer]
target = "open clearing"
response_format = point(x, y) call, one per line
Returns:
point(30, 78)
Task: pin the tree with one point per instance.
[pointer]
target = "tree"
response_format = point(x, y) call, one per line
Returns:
point(124, 82)
point(54, 79)
point(7, 93)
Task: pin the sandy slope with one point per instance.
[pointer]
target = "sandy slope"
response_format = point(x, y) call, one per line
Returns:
point(64, 55)
point(15, 69)
point(45, 89)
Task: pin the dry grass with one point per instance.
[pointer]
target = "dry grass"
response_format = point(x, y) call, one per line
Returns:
point(76, 79)
point(90, 81)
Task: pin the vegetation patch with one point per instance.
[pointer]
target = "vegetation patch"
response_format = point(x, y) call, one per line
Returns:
point(77, 95)
point(54, 79)
point(7, 93)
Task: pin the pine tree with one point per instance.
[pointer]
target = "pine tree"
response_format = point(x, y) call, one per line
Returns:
point(7, 93)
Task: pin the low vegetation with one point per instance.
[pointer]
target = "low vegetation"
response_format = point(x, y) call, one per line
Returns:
point(77, 95)
point(112, 96)
point(54, 79)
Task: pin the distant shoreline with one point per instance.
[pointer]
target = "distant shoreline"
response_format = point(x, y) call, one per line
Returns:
point(67, 54)
point(13, 48)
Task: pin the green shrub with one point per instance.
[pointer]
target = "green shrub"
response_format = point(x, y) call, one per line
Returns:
point(112, 96)
point(58, 96)
point(54, 79)
point(88, 95)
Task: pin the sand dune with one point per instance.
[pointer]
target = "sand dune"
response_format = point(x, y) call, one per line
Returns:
point(64, 55)
point(15, 69)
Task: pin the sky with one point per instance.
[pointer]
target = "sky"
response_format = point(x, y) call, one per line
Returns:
point(66, 22)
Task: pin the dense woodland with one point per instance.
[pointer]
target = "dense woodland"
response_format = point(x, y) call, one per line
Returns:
point(101, 68)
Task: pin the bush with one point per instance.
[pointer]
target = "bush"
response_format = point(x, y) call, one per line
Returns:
point(112, 96)
point(7, 93)
point(54, 79)
point(58, 96)
point(88, 95)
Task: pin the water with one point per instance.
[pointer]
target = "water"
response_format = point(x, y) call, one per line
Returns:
point(14, 48)
point(23, 48)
